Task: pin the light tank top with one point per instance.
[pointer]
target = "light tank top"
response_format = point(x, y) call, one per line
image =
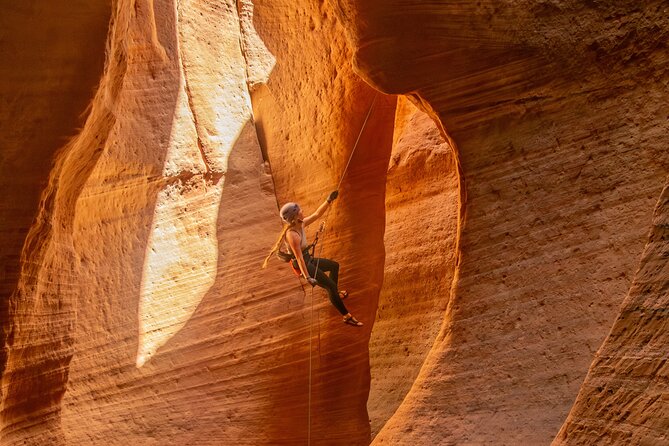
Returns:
point(303, 240)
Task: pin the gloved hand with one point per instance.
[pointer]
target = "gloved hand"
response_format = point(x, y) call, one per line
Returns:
point(312, 281)
point(333, 196)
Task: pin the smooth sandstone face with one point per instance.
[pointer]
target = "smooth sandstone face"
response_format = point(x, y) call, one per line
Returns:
point(497, 220)
point(553, 108)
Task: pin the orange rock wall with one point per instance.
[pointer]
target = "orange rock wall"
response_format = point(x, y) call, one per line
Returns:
point(142, 274)
point(52, 55)
point(422, 209)
point(563, 158)
point(128, 316)
point(138, 313)
point(624, 397)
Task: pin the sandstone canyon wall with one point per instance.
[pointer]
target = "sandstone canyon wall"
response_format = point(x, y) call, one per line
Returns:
point(140, 306)
point(52, 57)
point(563, 157)
point(624, 397)
point(489, 226)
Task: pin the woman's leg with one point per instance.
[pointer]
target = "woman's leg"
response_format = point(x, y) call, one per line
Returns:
point(327, 283)
point(327, 265)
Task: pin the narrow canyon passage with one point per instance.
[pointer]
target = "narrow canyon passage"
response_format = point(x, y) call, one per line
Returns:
point(493, 218)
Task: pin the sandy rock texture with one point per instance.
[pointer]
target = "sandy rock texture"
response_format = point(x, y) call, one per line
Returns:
point(624, 397)
point(422, 210)
point(141, 274)
point(140, 279)
point(52, 57)
point(557, 111)
point(489, 226)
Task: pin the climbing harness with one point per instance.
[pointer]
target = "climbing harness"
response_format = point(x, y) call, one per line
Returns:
point(288, 257)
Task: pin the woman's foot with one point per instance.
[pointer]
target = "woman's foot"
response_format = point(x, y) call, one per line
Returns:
point(343, 294)
point(349, 319)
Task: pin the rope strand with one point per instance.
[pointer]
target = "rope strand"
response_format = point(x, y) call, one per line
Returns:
point(311, 324)
point(369, 112)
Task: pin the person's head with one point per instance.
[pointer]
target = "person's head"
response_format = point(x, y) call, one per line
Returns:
point(291, 213)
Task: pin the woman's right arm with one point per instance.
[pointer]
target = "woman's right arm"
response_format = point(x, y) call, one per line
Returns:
point(321, 209)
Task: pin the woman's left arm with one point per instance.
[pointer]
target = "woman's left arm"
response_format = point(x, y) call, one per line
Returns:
point(321, 209)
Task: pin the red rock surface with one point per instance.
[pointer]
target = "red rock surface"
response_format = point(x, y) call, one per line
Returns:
point(136, 239)
point(624, 397)
point(562, 157)
point(531, 159)
point(422, 209)
point(52, 55)
point(141, 276)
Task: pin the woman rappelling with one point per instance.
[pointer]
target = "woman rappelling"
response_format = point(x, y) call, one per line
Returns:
point(294, 238)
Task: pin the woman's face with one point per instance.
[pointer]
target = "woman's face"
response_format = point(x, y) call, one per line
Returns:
point(300, 214)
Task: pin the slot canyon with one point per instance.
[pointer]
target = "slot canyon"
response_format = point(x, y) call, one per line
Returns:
point(502, 224)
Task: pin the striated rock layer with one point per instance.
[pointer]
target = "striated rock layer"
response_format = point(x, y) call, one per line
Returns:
point(497, 218)
point(563, 154)
point(624, 397)
point(141, 314)
point(52, 56)
point(422, 209)
point(134, 320)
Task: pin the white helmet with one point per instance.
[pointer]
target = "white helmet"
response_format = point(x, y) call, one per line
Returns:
point(289, 212)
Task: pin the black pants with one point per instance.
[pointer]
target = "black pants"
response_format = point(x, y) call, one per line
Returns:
point(325, 281)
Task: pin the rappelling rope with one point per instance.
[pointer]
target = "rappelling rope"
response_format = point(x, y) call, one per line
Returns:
point(369, 112)
point(318, 260)
point(311, 324)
